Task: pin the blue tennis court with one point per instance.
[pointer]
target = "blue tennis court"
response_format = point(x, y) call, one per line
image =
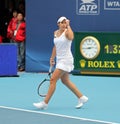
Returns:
point(17, 95)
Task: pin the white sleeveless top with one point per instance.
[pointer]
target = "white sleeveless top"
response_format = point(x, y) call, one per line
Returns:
point(64, 57)
point(63, 47)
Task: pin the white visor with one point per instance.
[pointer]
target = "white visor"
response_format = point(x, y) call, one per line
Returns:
point(61, 19)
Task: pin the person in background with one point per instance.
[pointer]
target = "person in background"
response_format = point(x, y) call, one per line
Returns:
point(63, 37)
point(19, 37)
point(12, 26)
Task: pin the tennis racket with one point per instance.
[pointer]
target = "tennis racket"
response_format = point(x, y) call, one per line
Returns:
point(44, 85)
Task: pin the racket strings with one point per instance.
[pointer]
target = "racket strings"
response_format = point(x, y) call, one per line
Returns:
point(43, 87)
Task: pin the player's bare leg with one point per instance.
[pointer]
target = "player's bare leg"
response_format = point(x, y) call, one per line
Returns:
point(81, 98)
point(55, 76)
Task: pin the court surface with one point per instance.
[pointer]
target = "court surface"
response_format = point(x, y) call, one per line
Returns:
point(17, 95)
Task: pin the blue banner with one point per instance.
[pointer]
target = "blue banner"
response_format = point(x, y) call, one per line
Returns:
point(8, 59)
point(84, 15)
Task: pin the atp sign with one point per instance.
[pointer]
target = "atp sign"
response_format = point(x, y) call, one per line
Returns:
point(87, 7)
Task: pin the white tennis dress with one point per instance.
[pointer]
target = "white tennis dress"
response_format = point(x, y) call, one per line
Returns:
point(64, 57)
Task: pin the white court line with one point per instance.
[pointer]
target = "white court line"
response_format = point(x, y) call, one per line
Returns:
point(58, 115)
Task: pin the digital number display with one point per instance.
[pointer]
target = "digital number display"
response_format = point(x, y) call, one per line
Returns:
point(112, 49)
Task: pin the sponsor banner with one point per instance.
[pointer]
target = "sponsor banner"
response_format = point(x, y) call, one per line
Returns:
point(112, 4)
point(87, 7)
point(97, 52)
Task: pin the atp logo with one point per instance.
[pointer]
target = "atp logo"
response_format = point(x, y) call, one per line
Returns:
point(87, 7)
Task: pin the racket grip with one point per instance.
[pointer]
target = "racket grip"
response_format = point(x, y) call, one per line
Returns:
point(50, 69)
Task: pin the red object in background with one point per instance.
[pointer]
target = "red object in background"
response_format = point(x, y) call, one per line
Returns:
point(11, 28)
point(20, 35)
point(1, 39)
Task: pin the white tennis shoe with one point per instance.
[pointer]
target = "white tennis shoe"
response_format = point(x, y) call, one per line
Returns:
point(43, 105)
point(81, 101)
point(40, 105)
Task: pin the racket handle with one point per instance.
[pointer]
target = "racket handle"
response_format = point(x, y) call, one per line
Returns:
point(50, 69)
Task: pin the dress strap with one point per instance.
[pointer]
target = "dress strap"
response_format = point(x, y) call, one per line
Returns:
point(55, 35)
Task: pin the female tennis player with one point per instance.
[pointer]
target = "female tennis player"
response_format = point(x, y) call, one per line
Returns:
point(64, 63)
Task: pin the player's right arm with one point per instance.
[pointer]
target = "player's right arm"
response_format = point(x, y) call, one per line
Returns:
point(53, 55)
